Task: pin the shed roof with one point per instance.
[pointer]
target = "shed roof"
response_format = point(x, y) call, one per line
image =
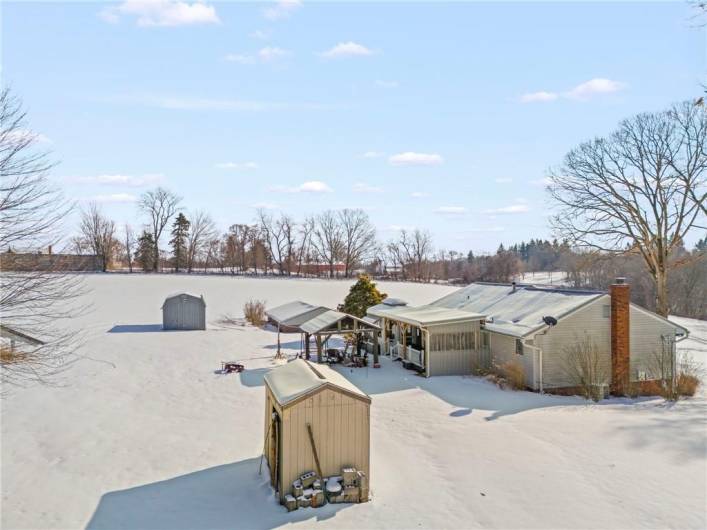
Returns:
point(11, 333)
point(322, 321)
point(290, 311)
point(180, 295)
point(300, 378)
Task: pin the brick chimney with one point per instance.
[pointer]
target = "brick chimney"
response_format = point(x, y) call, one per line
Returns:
point(620, 293)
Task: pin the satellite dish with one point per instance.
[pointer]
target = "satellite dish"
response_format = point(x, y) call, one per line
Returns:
point(550, 321)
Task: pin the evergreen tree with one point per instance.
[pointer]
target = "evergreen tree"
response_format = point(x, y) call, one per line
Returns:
point(470, 256)
point(145, 254)
point(362, 295)
point(180, 230)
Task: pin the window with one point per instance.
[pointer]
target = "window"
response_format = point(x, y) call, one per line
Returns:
point(519, 347)
point(606, 311)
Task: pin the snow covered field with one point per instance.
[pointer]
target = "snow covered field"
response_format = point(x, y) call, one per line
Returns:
point(143, 434)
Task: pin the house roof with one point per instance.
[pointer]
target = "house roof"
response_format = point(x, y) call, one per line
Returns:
point(11, 333)
point(520, 311)
point(300, 378)
point(425, 315)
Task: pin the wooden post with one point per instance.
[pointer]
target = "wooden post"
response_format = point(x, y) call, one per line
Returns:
point(376, 348)
point(319, 347)
point(278, 341)
point(306, 346)
point(314, 450)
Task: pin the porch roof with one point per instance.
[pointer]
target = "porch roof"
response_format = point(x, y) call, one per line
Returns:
point(425, 315)
point(328, 319)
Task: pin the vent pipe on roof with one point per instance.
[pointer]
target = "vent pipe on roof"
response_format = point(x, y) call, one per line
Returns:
point(513, 286)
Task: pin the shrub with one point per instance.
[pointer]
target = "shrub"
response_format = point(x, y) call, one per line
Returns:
point(254, 312)
point(508, 375)
point(687, 384)
point(586, 368)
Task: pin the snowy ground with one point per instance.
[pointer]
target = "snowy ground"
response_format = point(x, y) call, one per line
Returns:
point(145, 435)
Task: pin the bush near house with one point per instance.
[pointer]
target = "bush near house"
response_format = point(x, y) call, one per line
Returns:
point(509, 375)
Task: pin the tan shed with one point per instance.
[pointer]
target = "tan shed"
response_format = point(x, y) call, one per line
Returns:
point(301, 394)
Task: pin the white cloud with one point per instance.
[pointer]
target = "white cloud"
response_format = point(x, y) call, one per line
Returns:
point(162, 12)
point(503, 180)
point(399, 228)
point(24, 135)
point(282, 9)
point(271, 53)
point(347, 49)
point(419, 194)
point(237, 165)
point(387, 84)
point(113, 197)
point(541, 96)
point(508, 210)
point(362, 187)
point(410, 158)
point(372, 154)
point(311, 186)
point(131, 181)
point(541, 182)
point(260, 34)
point(595, 86)
point(265, 55)
point(451, 210)
point(583, 91)
point(239, 58)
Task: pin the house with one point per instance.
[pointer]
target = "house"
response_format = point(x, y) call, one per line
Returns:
point(315, 420)
point(487, 324)
point(184, 311)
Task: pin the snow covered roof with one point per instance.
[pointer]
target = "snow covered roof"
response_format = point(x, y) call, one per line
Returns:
point(424, 315)
point(300, 378)
point(324, 320)
point(11, 333)
point(394, 302)
point(180, 295)
point(518, 311)
point(294, 313)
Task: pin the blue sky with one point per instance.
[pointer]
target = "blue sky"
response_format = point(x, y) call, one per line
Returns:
point(438, 116)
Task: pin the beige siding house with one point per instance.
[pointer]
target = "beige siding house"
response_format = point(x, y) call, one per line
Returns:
point(299, 396)
point(534, 327)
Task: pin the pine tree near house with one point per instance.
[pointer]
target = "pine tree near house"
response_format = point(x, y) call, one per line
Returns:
point(362, 295)
point(180, 230)
point(145, 253)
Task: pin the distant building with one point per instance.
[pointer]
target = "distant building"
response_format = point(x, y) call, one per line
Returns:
point(48, 261)
point(184, 311)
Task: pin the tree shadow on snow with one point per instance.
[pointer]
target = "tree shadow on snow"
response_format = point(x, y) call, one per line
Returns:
point(226, 496)
point(135, 328)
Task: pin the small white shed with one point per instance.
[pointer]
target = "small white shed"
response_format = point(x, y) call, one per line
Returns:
point(184, 311)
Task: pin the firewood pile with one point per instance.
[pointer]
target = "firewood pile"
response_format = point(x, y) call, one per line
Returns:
point(313, 491)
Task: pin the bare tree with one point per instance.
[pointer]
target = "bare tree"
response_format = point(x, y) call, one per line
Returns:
point(33, 303)
point(416, 247)
point(99, 232)
point(586, 367)
point(358, 238)
point(202, 230)
point(160, 205)
point(306, 229)
point(273, 233)
point(639, 190)
point(129, 244)
point(327, 239)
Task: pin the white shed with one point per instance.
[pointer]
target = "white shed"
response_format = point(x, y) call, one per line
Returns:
point(184, 311)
